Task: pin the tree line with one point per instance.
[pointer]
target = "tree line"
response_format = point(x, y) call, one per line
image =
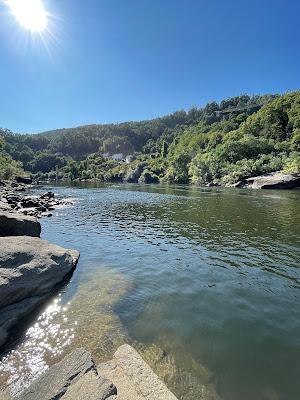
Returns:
point(220, 143)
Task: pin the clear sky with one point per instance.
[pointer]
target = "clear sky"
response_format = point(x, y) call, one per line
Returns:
point(118, 60)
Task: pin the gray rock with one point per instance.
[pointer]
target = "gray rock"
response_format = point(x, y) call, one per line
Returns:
point(30, 201)
point(12, 198)
point(27, 180)
point(30, 268)
point(4, 206)
point(16, 224)
point(47, 195)
point(133, 377)
point(91, 387)
point(274, 180)
point(65, 380)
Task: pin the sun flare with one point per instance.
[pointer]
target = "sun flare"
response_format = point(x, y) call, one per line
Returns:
point(30, 14)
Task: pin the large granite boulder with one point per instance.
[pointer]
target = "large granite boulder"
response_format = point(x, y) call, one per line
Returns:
point(275, 180)
point(16, 224)
point(75, 377)
point(30, 268)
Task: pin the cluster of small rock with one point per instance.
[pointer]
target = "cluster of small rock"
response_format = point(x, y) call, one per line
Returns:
point(13, 198)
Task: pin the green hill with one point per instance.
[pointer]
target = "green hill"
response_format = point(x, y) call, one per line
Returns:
point(221, 143)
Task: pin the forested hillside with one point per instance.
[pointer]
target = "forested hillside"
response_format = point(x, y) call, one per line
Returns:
point(220, 143)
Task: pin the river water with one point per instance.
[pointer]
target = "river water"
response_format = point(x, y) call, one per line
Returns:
point(203, 282)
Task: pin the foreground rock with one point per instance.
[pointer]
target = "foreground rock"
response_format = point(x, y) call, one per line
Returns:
point(30, 268)
point(74, 378)
point(133, 377)
point(16, 224)
point(126, 377)
point(274, 180)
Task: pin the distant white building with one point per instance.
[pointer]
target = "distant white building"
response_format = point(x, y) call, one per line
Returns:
point(117, 157)
point(129, 159)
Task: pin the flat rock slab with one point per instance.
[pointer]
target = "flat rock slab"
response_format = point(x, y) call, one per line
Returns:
point(274, 180)
point(75, 377)
point(133, 377)
point(30, 268)
point(91, 387)
point(16, 224)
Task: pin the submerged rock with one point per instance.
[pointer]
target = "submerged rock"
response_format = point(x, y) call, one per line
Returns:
point(75, 377)
point(16, 224)
point(29, 270)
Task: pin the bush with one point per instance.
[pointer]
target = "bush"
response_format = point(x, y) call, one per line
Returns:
point(204, 168)
point(295, 141)
point(9, 167)
point(292, 163)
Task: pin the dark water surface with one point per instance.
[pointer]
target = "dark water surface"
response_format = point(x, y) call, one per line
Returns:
point(204, 282)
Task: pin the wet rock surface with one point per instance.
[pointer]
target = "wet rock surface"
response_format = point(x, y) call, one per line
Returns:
point(126, 377)
point(75, 377)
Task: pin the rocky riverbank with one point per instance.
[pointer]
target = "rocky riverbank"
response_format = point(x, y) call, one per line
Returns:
point(13, 197)
point(31, 270)
point(273, 180)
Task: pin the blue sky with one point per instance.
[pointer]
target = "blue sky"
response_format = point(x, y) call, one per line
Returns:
point(118, 60)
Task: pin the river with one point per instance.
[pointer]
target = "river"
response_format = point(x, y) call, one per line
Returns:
point(204, 282)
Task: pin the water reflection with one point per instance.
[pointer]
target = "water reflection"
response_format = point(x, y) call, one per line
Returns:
point(84, 320)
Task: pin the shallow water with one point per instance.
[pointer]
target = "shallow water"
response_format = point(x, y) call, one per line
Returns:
point(204, 282)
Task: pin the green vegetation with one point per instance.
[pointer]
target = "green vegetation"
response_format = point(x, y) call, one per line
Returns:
point(221, 143)
point(8, 167)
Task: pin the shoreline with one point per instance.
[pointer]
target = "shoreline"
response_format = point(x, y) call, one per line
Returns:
point(22, 211)
point(279, 180)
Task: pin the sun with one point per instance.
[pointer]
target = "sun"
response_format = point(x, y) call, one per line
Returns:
point(30, 14)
